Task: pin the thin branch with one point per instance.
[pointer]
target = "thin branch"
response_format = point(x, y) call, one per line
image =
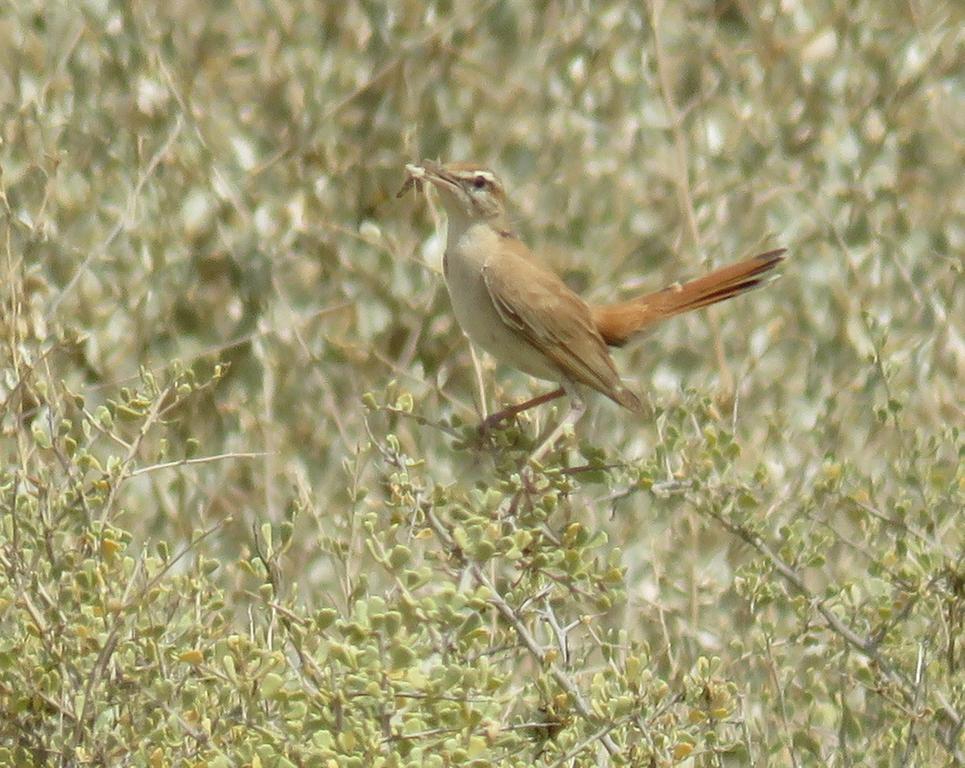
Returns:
point(523, 633)
point(684, 193)
point(867, 647)
point(199, 460)
point(600, 735)
point(152, 417)
point(122, 219)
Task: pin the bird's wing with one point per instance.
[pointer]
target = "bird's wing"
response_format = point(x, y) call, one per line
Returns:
point(556, 322)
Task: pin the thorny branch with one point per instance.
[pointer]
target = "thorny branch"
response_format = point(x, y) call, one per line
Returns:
point(867, 647)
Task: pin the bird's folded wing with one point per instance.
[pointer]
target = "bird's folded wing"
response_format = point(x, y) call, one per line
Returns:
point(546, 313)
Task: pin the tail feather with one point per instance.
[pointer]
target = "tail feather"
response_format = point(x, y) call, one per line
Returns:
point(618, 323)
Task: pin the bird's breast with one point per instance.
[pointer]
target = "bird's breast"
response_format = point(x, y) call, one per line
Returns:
point(472, 304)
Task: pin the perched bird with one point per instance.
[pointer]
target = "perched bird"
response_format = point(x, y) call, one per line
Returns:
point(525, 315)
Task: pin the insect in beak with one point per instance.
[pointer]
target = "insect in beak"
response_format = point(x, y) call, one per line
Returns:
point(414, 176)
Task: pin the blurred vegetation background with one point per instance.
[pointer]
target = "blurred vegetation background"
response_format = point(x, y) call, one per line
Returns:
point(245, 518)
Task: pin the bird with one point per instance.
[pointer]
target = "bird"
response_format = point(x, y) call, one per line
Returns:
point(523, 314)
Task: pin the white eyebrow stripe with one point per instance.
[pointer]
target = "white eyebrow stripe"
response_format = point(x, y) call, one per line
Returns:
point(475, 174)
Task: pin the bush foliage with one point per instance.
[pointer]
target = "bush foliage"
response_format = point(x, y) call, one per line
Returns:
point(245, 515)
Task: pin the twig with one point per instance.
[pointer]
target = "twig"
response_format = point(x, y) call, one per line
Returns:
point(867, 647)
point(683, 179)
point(152, 417)
point(601, 734)
point(199, 460)
point(525, 636)
point(122, 219)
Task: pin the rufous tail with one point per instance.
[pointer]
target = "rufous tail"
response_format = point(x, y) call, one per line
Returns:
point(618, 323)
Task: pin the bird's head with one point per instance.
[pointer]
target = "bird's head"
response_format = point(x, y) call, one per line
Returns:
point(469, 191)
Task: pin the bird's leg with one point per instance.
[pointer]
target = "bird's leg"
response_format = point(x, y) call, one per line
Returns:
point(507, 413)
point(573, 415)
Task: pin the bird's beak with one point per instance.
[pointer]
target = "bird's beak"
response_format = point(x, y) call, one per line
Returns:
point(435, 173)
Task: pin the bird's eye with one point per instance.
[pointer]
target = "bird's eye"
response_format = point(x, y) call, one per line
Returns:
point(479, 182)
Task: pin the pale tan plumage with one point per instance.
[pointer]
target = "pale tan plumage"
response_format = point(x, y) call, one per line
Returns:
point(553, 320)
point(525, 315)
